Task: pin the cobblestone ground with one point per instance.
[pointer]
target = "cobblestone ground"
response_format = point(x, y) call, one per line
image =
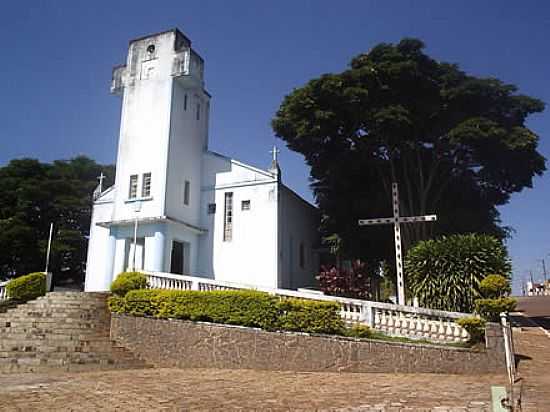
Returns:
point(214, 389)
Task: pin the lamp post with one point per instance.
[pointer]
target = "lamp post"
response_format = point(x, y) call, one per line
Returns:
point(49, 248)
point(137, 209)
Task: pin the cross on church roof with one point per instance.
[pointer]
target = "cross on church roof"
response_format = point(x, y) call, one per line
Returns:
point(101, 177)
point(274, 152)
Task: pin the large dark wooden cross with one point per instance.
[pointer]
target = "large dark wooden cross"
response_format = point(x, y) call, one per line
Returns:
point(397, 220)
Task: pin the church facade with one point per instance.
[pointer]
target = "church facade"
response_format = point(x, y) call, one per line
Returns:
point(180, 208)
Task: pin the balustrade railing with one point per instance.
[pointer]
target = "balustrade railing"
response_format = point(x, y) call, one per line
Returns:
point(394, 320)
point(3, 292)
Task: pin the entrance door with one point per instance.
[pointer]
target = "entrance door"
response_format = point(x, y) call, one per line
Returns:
point(177, 260)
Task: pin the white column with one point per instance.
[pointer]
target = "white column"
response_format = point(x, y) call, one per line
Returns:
point(155, 254)
point(110, 261)
point(120, 252)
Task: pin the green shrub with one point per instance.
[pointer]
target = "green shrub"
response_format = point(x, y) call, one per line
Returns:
point(474, 326)
point(446, 273)
point(359, 331)
point(127, 281)
point(495, 286)
point(239, 307)
point(27, 287)
point(310, 316)
point(117, 304)
point(143, 302)
point(246, 308)
point(491, 309)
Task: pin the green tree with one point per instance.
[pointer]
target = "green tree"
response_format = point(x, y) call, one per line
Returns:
point(33, 194)
point(457, 145)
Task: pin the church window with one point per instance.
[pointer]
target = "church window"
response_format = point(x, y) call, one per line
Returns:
point(186, 189)
point(146, 185)
point(245, 205)
point(132, 194)
point(198, 111)
point(151, 49)
point(302, 256)
point(228, 217)
point(185, 102)
point(211, 208)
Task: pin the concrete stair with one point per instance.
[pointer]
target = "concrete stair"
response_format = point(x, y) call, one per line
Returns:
point(67, 331)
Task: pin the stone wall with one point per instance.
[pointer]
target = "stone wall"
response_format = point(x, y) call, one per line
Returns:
point(177, 343)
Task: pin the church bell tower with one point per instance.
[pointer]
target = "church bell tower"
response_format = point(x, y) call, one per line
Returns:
point(163, 128)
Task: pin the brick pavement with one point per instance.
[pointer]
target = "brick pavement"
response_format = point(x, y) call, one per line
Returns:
point(218, 389)
point(532, 347)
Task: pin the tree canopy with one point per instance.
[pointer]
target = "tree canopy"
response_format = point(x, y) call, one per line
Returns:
point(456, 144)
point(34, 194)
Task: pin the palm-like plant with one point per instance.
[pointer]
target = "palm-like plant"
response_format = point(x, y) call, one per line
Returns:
point(445, 273)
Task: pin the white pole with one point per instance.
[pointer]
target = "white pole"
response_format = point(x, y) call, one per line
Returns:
point(49, 248)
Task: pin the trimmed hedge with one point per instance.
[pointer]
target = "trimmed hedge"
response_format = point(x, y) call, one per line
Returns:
point(360, 331)
point(127, 281)
point(474, 326)
point(27, 287)
point(491, 309)
point(239, 307)
point(495, 286)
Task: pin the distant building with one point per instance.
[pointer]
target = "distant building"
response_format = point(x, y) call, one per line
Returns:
point(538, 289)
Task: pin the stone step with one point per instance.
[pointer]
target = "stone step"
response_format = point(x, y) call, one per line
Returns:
point(62, 323)
point(56, 313)
point(52, 337)
point(111, 351)
point(52, 331)
point(61, 331)
point(46, 328)
point(37, 345)
point(61, 307)
point(21, 365)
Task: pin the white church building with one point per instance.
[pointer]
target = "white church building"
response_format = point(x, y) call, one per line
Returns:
point(180, 208)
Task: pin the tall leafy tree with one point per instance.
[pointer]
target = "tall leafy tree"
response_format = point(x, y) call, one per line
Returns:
point(456, 144)
point(35, 194)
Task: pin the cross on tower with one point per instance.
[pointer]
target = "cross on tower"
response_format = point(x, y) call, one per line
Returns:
point(101, 177)
point(397, 220)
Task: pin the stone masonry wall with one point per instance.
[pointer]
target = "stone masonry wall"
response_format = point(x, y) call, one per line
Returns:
point(177, 343)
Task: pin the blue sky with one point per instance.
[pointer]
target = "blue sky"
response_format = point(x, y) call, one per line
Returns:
point(57, 58)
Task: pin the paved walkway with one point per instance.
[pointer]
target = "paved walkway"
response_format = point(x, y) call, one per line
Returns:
point(211, 389)
point(532, 347)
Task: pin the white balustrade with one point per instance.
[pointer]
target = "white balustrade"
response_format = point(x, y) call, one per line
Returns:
point(3, 291)
point(396, 320)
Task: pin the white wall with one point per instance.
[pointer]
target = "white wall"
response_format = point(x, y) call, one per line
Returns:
point(298, 224)
point(99, 264)
point(251, 255)
point(187, 145)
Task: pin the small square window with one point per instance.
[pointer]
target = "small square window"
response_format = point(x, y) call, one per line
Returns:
point(211, 208)
point(245, 205)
